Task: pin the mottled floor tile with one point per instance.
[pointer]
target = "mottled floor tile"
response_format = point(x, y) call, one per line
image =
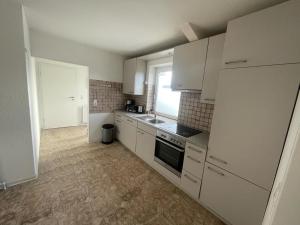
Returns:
point(96, 184)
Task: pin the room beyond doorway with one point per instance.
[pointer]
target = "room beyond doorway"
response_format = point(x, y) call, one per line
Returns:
point(63, 94)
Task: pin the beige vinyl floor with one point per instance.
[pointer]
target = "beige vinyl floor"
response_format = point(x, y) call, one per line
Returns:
point(96, 184)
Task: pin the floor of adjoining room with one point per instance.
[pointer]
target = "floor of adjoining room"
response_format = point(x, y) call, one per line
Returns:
point(96, 184)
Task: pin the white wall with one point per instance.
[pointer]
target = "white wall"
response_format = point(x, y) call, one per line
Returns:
point(96, 120)
point(32, 93)
point(102, 65)
point(16, 147)
point(284, 203)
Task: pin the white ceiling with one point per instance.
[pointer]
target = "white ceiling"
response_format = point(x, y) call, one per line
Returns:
point(134, 27)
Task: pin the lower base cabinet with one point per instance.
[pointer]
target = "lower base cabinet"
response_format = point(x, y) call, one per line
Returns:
point(190, 184)
point(128, 135)
point(145, 146)
point(234, 199)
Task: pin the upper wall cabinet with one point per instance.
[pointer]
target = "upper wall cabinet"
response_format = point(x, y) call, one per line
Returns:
point(188, 65)
point(212, 68)
point(267, 37)
point(134, 76)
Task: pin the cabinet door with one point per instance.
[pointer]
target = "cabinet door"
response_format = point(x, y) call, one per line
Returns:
point(212, 68)
point(251, 118)
point(267, 37)
point(188, 65)
point(129, 136)
point(194, 158)
point(118, 129)
point(129, 76)
point(190, 184)
point(139, 78)
point(232, 198)
point(145, 146)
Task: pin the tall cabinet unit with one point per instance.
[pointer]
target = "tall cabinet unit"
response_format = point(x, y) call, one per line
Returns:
point(134, 76)
point(254, 105)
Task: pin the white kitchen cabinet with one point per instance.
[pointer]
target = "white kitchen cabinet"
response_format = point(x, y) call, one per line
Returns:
point(128, 136)
point(134, 76)
point(251, 118)
point(266, 37)
point(212, 68)
point(232, 198)
point(149, 129)
point(190, 184)
point(188, 65)
point(118, 129)
point(145, 146)
point(194, 158)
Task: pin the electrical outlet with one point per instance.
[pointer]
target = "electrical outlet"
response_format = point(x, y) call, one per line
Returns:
point(95, 102)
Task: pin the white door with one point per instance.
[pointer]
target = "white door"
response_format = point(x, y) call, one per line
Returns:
point(60, 98)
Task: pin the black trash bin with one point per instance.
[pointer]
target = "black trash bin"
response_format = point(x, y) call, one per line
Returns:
point(107, 133)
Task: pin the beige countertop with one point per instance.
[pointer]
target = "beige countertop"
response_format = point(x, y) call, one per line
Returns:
point(200, 140)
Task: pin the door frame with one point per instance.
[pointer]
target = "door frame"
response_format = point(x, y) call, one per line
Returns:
point(39, 62)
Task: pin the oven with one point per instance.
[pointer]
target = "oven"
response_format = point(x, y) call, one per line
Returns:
point(169, 152)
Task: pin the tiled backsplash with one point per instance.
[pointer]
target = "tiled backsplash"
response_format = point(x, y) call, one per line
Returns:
point(108, 94)
point(193, 113)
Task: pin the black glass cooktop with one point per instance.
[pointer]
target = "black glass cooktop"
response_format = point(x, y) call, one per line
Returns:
point(180, 130)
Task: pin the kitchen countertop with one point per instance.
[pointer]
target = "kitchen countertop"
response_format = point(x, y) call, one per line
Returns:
point(200, 140)
point(136, 115)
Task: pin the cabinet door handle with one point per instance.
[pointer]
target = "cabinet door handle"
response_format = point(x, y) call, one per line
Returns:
point(209, 99)
point(195, 150)
point(189, 178)
point(118, 121)
point(191, 158)
point(236, 61)
point(140, 132)
point(216, 171)
point(130, 121)
point(218, 160)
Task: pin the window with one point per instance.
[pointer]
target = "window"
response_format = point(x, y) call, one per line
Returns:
point(166, 101)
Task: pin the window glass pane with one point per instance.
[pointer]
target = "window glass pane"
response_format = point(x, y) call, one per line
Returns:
point(167, 101)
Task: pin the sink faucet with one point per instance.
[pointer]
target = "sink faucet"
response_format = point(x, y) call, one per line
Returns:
point(151, 111)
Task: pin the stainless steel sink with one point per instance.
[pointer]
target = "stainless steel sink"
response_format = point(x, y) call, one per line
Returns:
point(156, 121)
point(150, 119)
point(146, 118)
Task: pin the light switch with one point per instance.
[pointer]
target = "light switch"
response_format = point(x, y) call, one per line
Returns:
point(95, 103)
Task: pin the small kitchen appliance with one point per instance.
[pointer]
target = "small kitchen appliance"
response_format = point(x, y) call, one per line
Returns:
point(130, 105)
point(140, 109)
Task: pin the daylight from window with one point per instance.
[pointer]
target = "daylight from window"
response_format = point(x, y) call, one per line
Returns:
point(167, 101)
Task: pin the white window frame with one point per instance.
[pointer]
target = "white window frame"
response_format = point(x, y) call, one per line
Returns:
point(159, 70)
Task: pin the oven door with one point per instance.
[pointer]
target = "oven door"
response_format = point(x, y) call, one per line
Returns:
point(169, 156)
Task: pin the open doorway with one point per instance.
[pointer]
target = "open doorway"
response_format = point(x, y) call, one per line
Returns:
point(62, 94)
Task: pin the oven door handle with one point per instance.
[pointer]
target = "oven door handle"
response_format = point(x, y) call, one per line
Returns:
point(166, 143)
